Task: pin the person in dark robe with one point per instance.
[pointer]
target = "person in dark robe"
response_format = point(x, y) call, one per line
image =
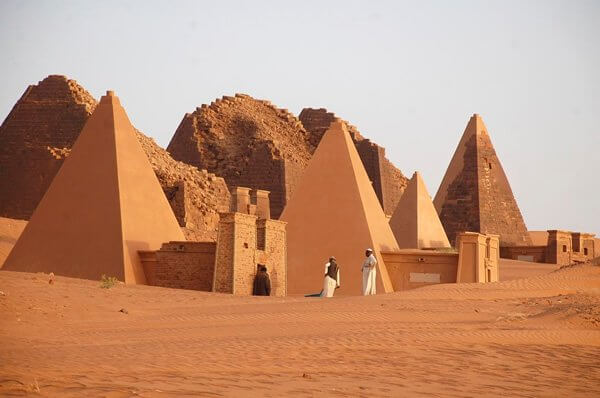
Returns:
point(262, 283)
point(332, 278)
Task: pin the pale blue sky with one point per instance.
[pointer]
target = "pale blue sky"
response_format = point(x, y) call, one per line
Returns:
point(407, 74)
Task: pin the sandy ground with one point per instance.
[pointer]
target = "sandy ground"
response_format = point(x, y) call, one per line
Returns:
point(524, 337)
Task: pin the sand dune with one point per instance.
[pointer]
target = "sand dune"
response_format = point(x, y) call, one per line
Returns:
point(525, 337)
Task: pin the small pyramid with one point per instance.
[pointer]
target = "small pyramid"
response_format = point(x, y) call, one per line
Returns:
point(104, 205)
point(335, 212)
point(475, 194)
point(415, 222)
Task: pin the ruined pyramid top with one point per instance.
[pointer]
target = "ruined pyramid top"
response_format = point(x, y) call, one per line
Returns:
point(415, 222)
point(475, 194)
point(233, 126)
point(38, 131)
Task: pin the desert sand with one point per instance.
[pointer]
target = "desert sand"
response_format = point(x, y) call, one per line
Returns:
point(538, 336)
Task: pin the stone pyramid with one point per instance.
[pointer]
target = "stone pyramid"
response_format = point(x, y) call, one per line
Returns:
point(34, 138)
point(335, 212)
point(415, 222)
point(475, 194)
point(104, 205)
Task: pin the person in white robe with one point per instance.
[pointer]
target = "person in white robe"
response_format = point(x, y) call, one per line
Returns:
point(369, 270)
point(331, 281)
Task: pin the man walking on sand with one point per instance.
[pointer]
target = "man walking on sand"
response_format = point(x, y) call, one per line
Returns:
point(369, 271)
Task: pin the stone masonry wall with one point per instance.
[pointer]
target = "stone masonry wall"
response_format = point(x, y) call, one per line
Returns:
point(181, 265)
point(388, 181)
point(239, 252)
point(274, 255)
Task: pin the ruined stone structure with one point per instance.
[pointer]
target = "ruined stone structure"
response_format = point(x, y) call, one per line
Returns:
point(335, 212)
point(561, 247)
point(475, 194)
point(181, 265)
point(248, 142)
point(247, 237)
point(196, 196)
point(388, 182)
point(38, 133)
point(252, 143)
point(46, 120)
point(475, 261)
point(104, 204)
point(478, 258)
point(415, 222)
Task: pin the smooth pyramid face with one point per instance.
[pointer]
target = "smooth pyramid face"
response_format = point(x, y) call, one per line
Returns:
point(475, 194)
point(104, 205)
point(335, 212)
point(415, 222)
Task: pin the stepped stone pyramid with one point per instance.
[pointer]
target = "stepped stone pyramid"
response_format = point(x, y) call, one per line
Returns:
point(475, 194)
point(35, 138)
point(104, 205)
point(415, 222)
point(335, 212)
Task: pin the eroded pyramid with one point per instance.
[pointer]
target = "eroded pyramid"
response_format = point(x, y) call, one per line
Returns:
point(475, 194)
point(415, 222)
point(104, 205)
point(335, 212)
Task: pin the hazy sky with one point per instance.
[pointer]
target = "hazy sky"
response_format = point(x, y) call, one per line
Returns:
point(407, 74)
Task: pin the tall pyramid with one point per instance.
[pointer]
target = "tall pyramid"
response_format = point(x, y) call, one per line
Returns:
point(475, 194)
point(335, 212)
point(104, 205)
point(415, 221)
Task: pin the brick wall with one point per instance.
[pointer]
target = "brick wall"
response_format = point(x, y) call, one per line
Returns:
point(181, 265)
point(274, 255)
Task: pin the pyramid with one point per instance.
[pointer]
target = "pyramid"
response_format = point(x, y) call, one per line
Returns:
point(475, 194)
point(335, 212)
point(415, 222)
point(104, 205)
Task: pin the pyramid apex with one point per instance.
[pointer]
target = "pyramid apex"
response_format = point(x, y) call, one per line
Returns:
point(110, 97)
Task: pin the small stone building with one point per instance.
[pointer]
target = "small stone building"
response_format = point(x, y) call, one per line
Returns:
point(562, 248)
point(475, 261)
point(246, 238)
